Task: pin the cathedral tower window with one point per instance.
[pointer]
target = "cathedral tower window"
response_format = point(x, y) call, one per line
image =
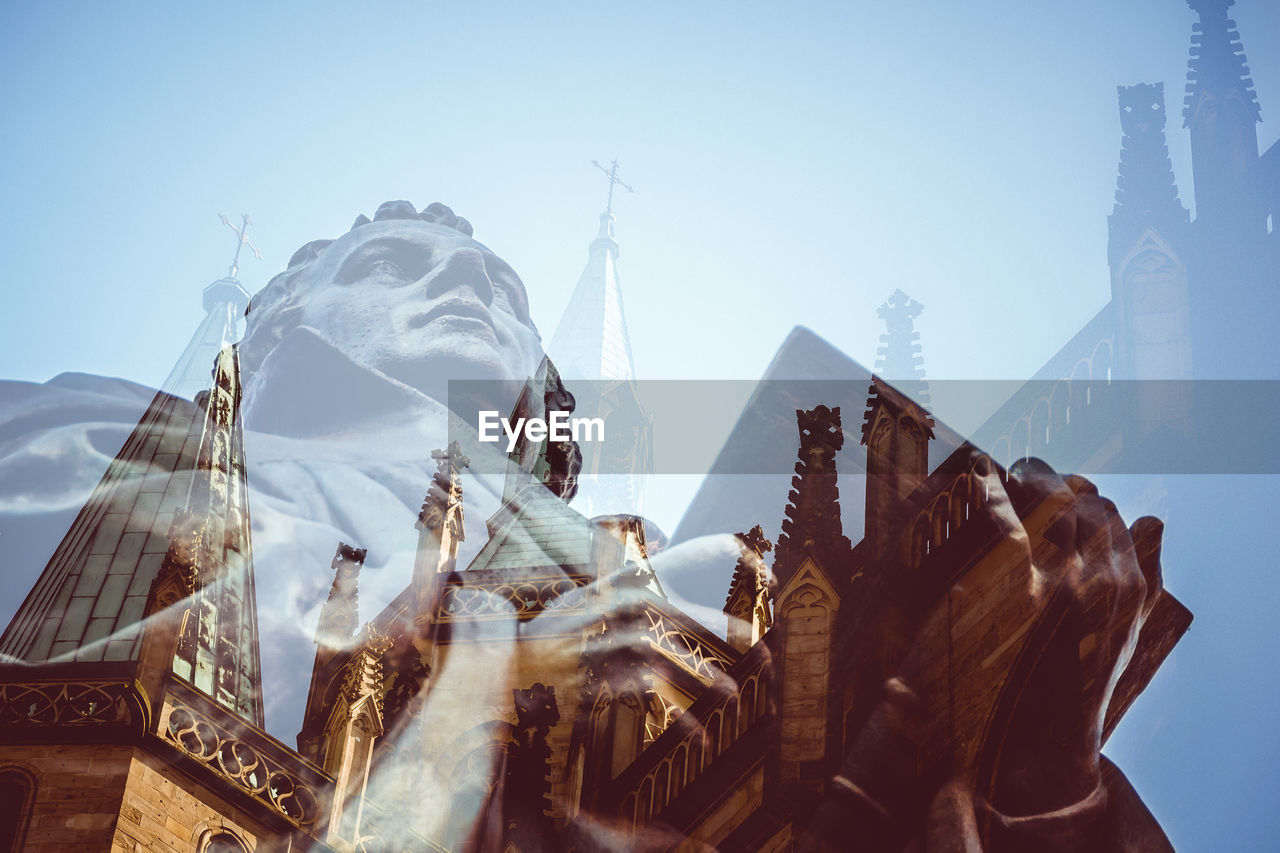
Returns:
point(17, 792)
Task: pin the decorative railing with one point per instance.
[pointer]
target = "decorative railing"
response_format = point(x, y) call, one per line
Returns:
point(523, 598)
point(685, 647)
point(67, 703)
point(1064, 410)
point(248, 759)
point(950, 509)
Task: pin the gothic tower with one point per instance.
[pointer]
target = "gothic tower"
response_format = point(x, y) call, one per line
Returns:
point(134, 687)
point(812, 558)
point(1147, 238)
point(899, 358)
point(1232, 257)
point(224, 304)
point(174, 501)
point(592, 348)
point(1222, 114)
point(896, 431)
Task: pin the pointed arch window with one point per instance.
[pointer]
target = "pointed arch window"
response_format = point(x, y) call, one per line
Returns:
point(17, 793)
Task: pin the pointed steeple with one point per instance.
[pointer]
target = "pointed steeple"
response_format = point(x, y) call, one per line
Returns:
point(591, 341)
point(812, 525)
point(218, 653)
point(899, 356)
point(1146, 194)
point(91, 595)
point(167, 528)
point(224, 303)
point(1221, 109)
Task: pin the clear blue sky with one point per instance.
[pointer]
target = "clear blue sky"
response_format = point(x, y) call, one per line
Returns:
point(791, 165)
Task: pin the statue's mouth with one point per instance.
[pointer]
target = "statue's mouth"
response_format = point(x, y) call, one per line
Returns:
point(455, 309)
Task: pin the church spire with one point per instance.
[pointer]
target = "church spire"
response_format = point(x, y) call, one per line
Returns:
point(224, 304)
point(898, 358)
point(165, 532)
point(1146, 194)
point(1221, 109)
point(591, 341)
point(218, 652)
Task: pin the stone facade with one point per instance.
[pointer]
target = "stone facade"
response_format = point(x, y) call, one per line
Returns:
point(951, 677)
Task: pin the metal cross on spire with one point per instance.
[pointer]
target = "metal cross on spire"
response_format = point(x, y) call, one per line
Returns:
point(241, 242)
point(614, 180)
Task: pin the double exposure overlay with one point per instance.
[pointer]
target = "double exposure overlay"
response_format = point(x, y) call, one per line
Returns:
point(382, 566)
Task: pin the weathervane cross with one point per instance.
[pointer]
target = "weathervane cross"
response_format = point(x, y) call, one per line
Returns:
point(614, 180)
point(241, 241)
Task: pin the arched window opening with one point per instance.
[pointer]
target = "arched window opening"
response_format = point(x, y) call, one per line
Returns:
point(224, 842)
point(644, 804)
point(747, 712)
point(17, 792)
point(661, 788)
point(473, 788)
point(730, 724)
point(628, 732)
point(696, 756)
point(629, 808)
point(713, 739)
point(679, 770)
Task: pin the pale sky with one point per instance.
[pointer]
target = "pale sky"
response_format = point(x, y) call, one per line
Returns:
point(791, 165)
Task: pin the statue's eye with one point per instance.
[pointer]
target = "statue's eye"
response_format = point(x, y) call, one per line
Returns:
point(384, 267)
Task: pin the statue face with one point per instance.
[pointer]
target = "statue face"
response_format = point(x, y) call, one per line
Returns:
point(423, 304)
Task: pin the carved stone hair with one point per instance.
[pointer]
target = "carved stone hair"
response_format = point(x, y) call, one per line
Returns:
point(279, 304)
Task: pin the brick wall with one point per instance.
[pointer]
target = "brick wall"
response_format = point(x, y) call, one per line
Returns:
point(121, 799)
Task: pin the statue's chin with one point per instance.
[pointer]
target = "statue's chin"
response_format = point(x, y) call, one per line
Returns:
point(432, 375)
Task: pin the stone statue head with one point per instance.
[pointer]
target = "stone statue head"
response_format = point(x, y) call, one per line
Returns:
point(409, 294)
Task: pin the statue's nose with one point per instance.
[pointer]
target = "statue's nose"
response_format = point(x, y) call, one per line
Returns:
point(462, 268)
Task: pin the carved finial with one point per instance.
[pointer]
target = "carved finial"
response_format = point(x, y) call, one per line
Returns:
point(754, 540)
point(1217, 72)
point(812, 519)
point(898, 356)
point(750, 576)
point(348, 554)
point(536, 707)
point(1146, 193)
point(748, 600)
point(443, 504)
point(340, 615)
